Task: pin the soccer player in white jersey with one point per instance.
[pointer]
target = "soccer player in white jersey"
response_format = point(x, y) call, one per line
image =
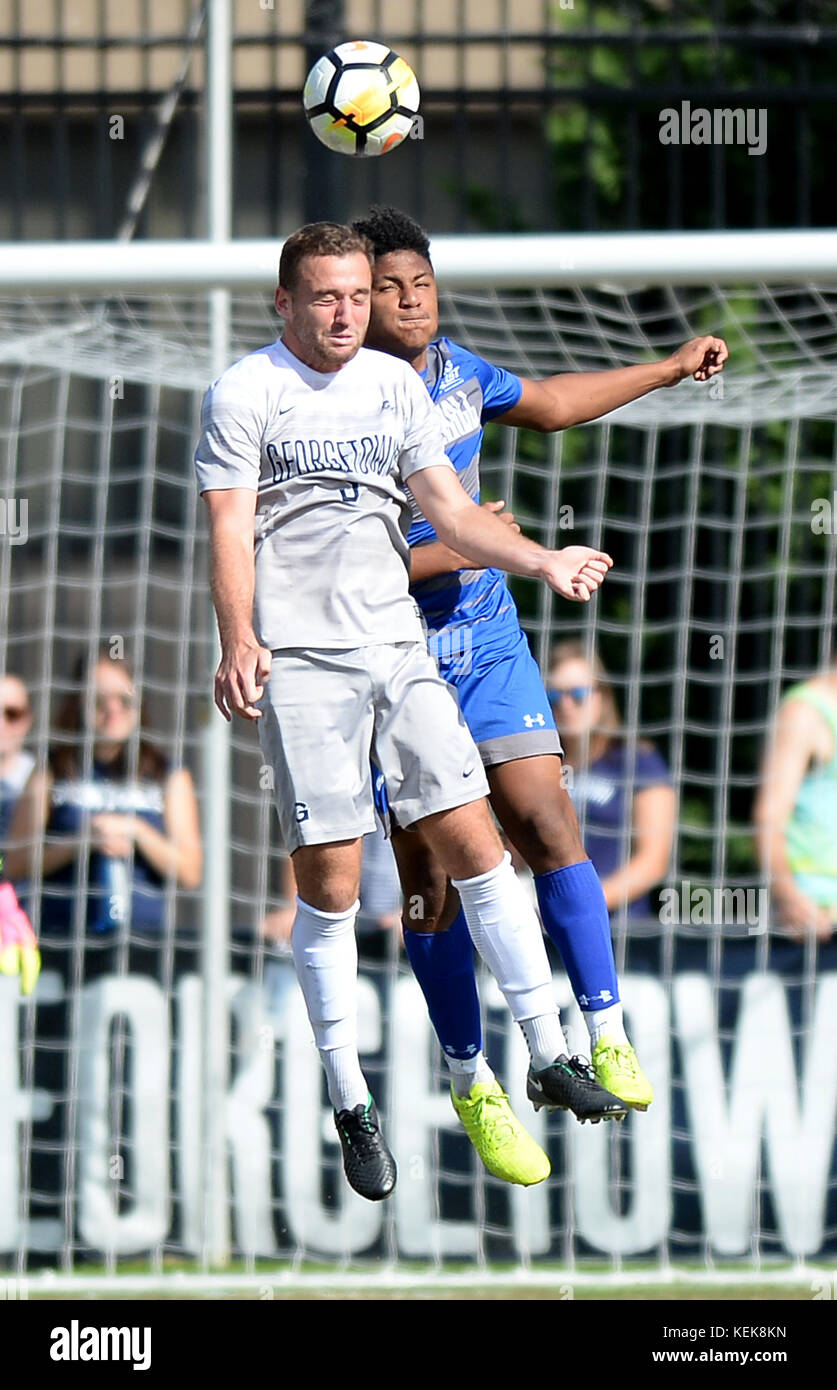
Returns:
point(306, 449)
point(484, 655)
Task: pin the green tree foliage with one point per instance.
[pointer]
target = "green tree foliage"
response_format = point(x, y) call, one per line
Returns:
point(614, 68)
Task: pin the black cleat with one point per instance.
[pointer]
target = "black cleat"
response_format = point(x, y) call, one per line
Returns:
point(570, 1084)
point(367, 1162)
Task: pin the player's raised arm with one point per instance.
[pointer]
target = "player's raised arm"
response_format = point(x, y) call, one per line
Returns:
point(575, 572)
point(426, 561)
point(245, 664)
point(575, 398)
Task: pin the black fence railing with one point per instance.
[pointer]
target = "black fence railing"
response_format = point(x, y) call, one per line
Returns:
point(554, 118)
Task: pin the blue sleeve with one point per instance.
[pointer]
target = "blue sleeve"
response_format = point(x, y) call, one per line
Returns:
point(651, 769)
point(500, 389)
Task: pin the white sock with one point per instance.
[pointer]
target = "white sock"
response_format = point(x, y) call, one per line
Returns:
point(346, 1083)
point(466, 1072)
point(325, 956)
point(543, 1044)
point(605, 1022)
point(506, 932)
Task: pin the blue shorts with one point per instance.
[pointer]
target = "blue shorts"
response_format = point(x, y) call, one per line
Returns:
point(505, 706)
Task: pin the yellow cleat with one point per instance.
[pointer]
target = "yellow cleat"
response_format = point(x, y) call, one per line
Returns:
point(617, 1069)
point(505, 1147)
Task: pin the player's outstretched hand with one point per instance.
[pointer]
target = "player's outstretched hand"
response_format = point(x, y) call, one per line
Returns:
point(19, 954)
point(700, 358)
point(576, 571)
point(240, 680)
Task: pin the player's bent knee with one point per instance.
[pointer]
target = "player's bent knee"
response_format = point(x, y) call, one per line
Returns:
point(464, 839)
point(331, 898)
point(543, 830)
point(546, 845)
point(328, 876)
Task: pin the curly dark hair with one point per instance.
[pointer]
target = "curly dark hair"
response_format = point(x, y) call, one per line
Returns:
point(391, 230)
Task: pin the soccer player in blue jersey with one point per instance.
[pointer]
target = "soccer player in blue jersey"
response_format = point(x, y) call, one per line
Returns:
point(483, 653)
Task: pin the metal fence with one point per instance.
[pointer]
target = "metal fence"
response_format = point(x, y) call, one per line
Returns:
point(537, 114)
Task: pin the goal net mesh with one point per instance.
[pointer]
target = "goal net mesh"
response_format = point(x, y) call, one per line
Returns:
point(716, 502)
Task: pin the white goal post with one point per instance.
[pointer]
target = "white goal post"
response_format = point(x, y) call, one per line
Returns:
point(504, 261)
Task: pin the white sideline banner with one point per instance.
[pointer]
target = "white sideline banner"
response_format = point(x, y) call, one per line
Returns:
point(759, 1108)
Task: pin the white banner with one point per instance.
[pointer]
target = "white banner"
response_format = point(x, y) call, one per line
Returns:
point(763, 1123)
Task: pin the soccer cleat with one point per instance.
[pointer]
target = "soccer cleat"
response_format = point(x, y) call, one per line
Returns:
point(505, 1147)
point(570, 1084)
point(617, 1069)
point(367, 1162)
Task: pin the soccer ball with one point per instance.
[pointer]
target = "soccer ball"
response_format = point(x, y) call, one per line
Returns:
point(361, 98)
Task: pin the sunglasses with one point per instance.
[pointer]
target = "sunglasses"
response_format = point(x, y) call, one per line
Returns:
point(14, 713)
point(124, 699)
point(577, 693)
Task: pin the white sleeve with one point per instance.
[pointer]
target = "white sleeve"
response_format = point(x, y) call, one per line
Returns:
point(423, 444)
point(229, 450)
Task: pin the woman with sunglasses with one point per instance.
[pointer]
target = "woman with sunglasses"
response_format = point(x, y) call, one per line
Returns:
point(621, 789)
point(109, 825)
point(15, 762)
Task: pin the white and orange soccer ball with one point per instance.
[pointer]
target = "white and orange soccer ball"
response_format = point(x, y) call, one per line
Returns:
point(361, 98)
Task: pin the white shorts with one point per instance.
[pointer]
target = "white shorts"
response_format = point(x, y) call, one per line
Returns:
point(326, 713)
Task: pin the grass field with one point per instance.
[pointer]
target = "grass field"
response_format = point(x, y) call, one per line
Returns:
point(314, 1284)
point(502, 1293)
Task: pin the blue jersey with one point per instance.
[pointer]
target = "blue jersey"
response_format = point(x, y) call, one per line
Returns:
point(475, 604)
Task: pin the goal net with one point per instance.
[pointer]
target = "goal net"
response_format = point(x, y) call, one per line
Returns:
point(717, 503)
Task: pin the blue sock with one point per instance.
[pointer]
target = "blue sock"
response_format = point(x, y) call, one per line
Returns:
point(575, 916)
point(443, 964)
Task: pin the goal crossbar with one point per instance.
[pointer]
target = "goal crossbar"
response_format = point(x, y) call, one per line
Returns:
point(626, 259)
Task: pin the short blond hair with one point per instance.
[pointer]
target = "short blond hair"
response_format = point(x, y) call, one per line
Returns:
point(320, 239)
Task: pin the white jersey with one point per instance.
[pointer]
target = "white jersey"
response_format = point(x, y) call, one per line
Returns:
point(329, 455)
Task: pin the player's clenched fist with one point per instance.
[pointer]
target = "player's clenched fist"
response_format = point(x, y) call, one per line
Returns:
point(576, 571)
point(240, 679)
point(700, 358)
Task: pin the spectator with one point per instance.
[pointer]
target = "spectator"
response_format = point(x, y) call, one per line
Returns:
point(19, 953)
point(616, 787)
point(114, 817)
point(796, 808)
point(15, 762)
